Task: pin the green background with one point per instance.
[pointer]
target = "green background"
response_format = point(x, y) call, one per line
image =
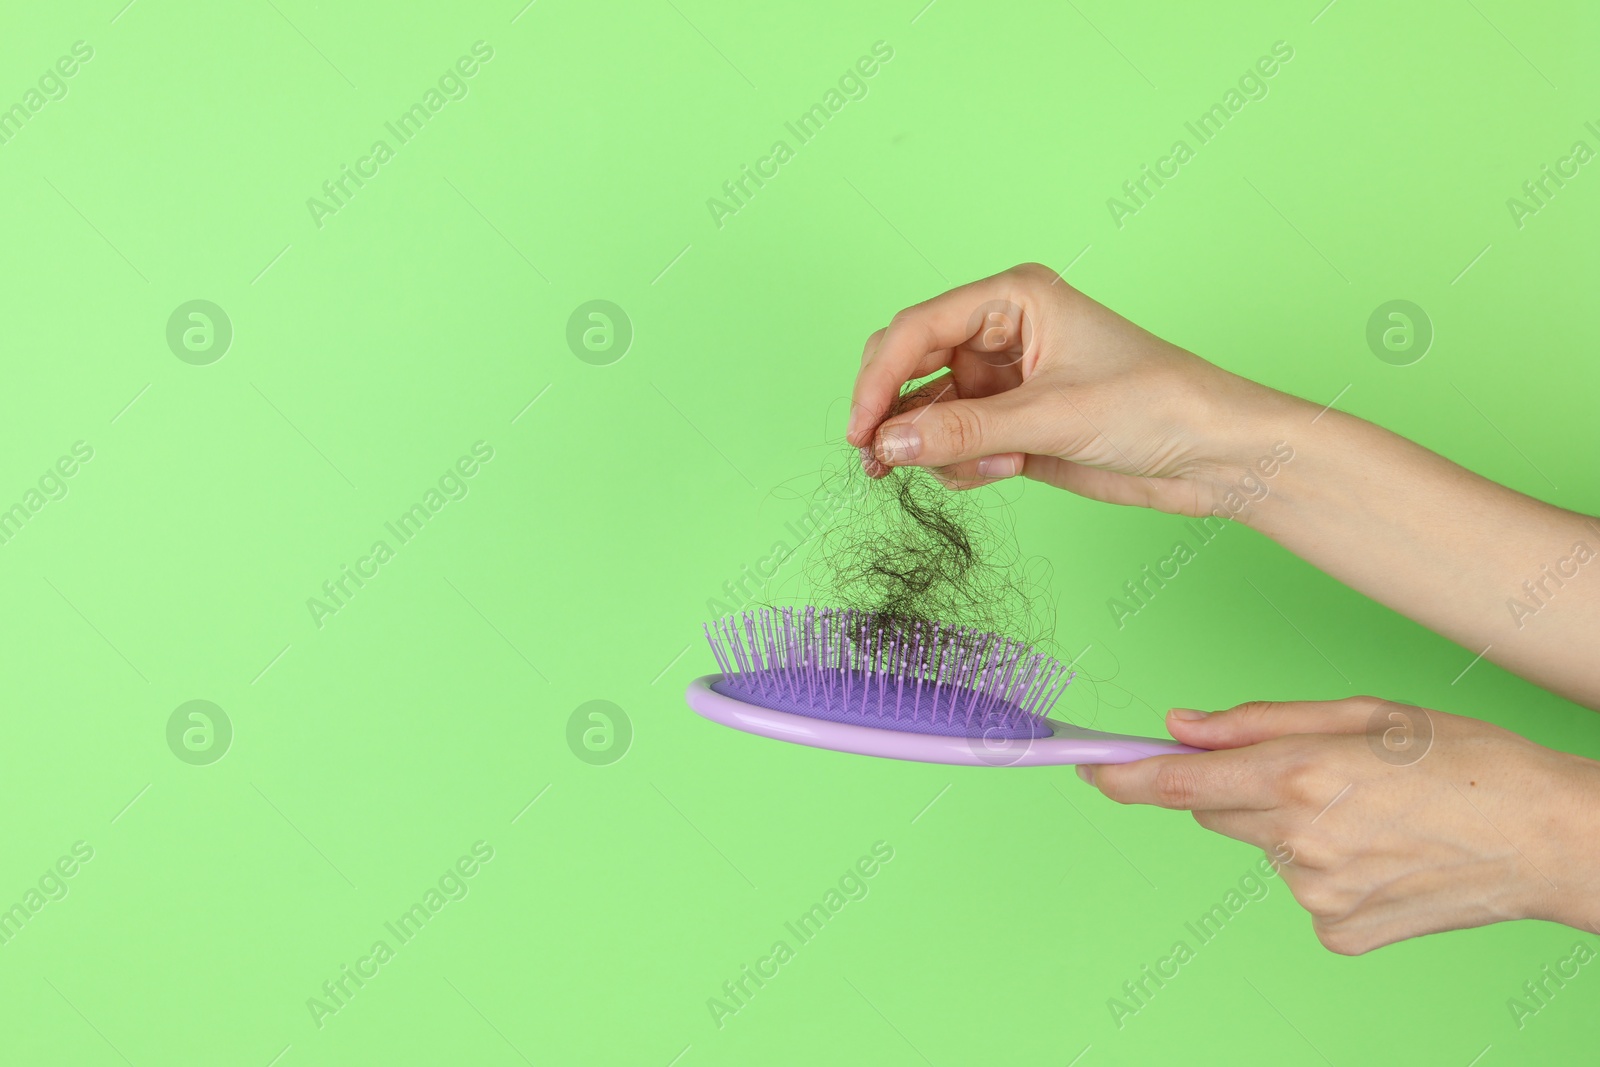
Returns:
point(371, 352)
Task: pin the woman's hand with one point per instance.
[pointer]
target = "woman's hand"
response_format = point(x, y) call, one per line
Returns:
point(1045, 382)
point(1400, 821)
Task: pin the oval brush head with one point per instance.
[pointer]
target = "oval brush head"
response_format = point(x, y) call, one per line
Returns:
point(861, 668)
point(882, 685)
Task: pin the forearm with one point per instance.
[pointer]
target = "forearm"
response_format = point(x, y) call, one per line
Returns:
point(1492, 569)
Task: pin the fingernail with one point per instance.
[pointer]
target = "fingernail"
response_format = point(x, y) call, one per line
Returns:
point(1086, 772)
point(997, 467)
point(899, 444)
point(1187, 714)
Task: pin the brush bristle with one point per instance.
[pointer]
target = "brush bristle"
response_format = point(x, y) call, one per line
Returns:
point(860, 667)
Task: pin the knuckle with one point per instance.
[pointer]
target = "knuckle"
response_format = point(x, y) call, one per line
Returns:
point(1361, 706)
point(1342, 940)
point(1303, 782)
point(1252, 710)
point(1035, 281)
point(961, 429)
point(904, 321)
point(1176, 785)
point(1328, 903)
point(870, 348)
point(1318, 899)
point(1250, 715)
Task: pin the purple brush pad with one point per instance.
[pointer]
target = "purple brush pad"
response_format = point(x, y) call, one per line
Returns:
point(944, 710)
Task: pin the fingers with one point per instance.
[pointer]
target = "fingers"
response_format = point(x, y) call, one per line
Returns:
point(970, 474)
point(1206, 781)
point(931, 392)
point(958, 431)
point(977, 472)
point(1170, 495)
point(1261, 720)
point(920, 340)
point(1174, 496)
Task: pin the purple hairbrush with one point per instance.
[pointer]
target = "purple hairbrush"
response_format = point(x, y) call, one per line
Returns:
point(856, 681)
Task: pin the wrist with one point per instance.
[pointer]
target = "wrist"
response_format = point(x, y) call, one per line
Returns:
point(1568, 891)
point(1247, 439)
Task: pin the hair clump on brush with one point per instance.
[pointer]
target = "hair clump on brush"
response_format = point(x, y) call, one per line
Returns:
point(922, 615)
point(912, 552)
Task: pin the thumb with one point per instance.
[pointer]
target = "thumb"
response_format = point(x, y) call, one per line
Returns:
point(1262, 720)
point(954, 431)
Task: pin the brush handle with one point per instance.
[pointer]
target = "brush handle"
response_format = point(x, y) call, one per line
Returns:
point(1093, 746)
point(1067, 744)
